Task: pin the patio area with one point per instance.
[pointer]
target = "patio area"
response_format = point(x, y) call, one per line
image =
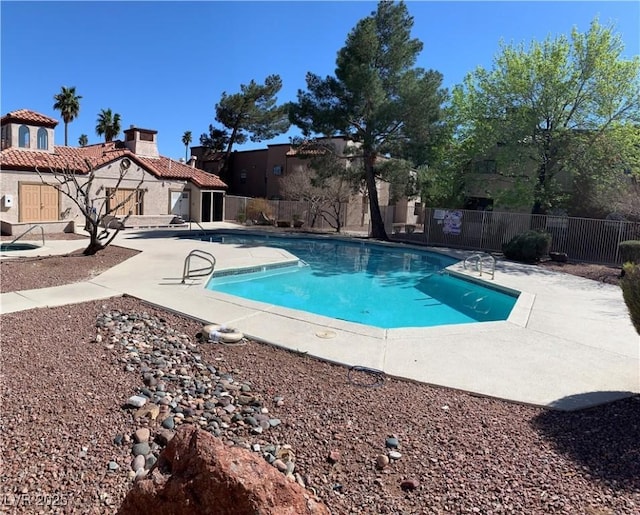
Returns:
point(568, 343)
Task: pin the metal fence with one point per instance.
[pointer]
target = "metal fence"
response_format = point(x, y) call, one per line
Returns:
point(588, 240)
point(582, 239)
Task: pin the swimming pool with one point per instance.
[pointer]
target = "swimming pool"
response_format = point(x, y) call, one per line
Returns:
point(8, 247)
point(378, 285)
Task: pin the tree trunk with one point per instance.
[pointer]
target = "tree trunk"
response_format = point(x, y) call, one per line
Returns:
point(224, 171)
point(377, 223)
point(93, 248)
point(66, 126)
point(94, 244)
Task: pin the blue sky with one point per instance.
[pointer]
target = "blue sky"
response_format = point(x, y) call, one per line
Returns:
point(164, 65)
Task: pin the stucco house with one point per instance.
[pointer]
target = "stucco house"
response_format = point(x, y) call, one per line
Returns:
point(168, 187)
point(259, 173)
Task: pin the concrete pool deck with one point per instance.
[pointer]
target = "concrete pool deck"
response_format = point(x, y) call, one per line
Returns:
point(568, 343)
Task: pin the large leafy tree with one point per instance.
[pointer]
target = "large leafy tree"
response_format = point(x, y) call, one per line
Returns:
point(252, 114)
point(552, 112)
point(378, 98)
point(186, 141)
point(68, 103)
point(108, 124)
point(83, 140)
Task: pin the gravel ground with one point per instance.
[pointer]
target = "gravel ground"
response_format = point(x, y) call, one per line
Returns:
point(42, 272)
point(62, 398)
point(602, 273)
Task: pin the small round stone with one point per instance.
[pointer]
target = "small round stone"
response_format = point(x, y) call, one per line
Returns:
point(410, 484)
point(137, 463)
point(382, 461)
point(168, 423)
point(141, 449)
point(392, 442)
point(142, 435)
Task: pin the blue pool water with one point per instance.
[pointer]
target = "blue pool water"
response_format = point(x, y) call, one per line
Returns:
point(7, 247)
point(382, 286)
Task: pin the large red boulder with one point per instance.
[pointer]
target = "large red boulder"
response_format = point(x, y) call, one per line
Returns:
point(197, 474)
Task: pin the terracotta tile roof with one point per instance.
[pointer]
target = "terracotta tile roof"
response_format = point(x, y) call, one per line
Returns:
point(30, 117)
point(76, 159)
point(170, 169)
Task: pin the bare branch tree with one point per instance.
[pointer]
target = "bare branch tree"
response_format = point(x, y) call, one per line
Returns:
point(325, 195)
point(97, 207)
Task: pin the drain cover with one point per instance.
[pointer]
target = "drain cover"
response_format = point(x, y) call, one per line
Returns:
point(326, 334)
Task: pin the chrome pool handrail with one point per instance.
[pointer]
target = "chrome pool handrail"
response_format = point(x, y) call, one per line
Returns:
point(28, 231)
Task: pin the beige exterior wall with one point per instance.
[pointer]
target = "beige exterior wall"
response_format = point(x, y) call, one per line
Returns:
point(156, 200)
point(11, 137)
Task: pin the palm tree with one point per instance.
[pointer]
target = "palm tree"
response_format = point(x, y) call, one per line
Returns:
point(68, 103)
point(83, 140)
point(108, 124)
point(186, 140)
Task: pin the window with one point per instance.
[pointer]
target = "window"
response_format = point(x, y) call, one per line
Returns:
point(23, 136)
point(146, 136)
point(43, 139)
point(4, 137)
point(487, 166)
point(277, 170)
point(243, 177)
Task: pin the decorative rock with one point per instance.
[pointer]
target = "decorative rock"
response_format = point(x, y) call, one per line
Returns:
point(141, 449)
point(137, 401)
point(138, 463)
point(118, 439)
point(168, 423)
point(410, 484)
point(209, 477)
point(280, 465)
point(150, 461)
point(273, 422)
point(113, 466)
point(392, 442)
point(382, 461)
point(164, 436)
point(142, 435)
point(334, 456)
point(149, 410)
point(395, 455)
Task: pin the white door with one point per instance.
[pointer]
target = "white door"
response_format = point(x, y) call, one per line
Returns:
point(180, 204)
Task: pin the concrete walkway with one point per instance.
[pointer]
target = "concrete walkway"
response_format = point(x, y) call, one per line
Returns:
point(568, 343)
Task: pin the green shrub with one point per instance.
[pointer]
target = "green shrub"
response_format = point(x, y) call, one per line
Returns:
point(630, 285)
point(630, 251)
point(528, 247)
point(256, 206)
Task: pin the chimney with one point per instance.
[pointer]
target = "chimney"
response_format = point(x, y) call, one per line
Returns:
point(192, 161)
point(142, 142)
